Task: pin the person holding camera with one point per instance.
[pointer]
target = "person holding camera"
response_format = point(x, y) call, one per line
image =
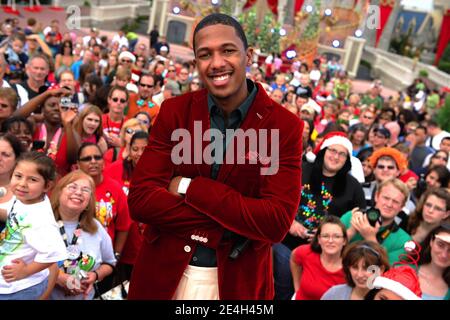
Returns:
point(377, 223)
point(58, 113)
point(388, 163)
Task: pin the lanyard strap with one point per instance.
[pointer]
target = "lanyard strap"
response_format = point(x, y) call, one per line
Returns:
point(62, 231)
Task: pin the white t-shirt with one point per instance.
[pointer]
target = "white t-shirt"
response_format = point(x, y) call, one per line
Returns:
point(31, 233)
point(434, 142)
point(97, 245)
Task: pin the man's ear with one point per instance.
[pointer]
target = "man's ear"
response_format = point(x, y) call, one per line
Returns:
point(249, 55)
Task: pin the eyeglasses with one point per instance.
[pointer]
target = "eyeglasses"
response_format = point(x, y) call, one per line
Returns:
point(331, 236)
point(430, 207)
point(382, 167)
point(90, 158)
point(4, 105)
point(115, 99)
point(171, 70)
point(196, 83)
point(381, 136)
point(73, 188)
point(334, 153)
point(126, 61)
point(146, 85)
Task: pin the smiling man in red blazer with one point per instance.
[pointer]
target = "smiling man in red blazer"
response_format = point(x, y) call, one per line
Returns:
point(212, 195)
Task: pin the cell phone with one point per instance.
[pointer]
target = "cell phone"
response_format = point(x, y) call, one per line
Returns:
point(38, 144)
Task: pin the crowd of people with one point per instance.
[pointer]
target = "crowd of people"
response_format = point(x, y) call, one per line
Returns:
point(76, 115)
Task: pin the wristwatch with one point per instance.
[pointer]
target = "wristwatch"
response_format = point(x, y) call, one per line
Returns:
point(117, 255)
point(183, 185)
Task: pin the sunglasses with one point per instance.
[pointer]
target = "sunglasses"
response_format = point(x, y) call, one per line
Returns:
point(115, 99)
point(126, 61)
point(146, 85)
point(382, 167)
point(89, 158)
point(4, 105)
point(171, 70)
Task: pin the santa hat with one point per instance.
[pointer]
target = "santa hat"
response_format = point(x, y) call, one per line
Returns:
point(127, 54)
point(403, 281)
point(331, 138)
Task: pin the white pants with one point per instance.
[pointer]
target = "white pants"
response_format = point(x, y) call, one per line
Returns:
point(198, 283)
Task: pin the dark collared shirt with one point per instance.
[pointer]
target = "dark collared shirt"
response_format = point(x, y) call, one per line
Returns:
point(203, 256)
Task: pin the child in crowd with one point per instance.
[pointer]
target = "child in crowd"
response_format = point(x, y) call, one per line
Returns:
point(30, 242)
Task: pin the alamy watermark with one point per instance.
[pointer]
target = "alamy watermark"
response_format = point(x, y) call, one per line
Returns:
point(73, 21)
point(189, 148)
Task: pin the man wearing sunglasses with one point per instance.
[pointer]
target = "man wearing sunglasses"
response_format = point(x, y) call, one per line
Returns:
point(115, 118)
point(142, 101)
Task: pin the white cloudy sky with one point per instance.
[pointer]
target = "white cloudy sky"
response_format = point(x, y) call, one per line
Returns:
point(418, 4)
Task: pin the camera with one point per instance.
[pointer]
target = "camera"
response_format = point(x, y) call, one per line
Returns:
point(373, 215)
point(65, 102)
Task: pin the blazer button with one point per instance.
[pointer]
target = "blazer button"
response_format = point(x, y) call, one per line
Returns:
point(187, 248)
point(205, 240)
point(194, 237)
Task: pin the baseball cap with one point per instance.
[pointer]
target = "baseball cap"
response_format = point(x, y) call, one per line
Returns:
point(173, 86)
point(306, 107)
point(385, 132)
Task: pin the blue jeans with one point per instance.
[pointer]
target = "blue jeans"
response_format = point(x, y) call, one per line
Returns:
point(284, 286)
point(31, 293)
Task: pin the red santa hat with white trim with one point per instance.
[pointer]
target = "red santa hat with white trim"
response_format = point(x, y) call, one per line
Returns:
point(331, 138)
point(402, 280)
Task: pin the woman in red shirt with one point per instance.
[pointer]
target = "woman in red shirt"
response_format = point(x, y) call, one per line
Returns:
point(316, 267)
point(88, 128)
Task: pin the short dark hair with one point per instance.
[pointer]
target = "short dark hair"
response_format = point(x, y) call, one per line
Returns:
point(13, 142)
point(220, 18)
point(45, 165)
point(84, 145)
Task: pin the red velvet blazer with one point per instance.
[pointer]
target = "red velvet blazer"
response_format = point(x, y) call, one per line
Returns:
point(259, 207)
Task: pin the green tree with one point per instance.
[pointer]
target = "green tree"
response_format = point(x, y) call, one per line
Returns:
point(443, 116)
point(444, 62)
point(269, 36)
point(248, 22)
